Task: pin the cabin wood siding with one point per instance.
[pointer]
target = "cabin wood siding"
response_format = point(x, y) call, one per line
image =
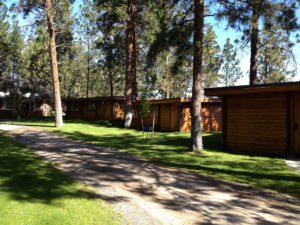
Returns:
point(88, 114)
point(176, 117)
point(164, 122)
point(148, 121)
point(295, 123)
point(211, 115)
point(257, 123)
point(104, 110)
point(118, 111)
point(73, 114)
point(186, 119)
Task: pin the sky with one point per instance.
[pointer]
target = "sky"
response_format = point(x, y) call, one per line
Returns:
point(222, 34)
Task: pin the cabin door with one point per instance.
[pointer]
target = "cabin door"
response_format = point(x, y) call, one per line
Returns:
point(174, 118)
point(296, 123)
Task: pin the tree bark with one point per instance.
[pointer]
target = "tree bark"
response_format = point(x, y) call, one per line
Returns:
point(88, 71)
point(134, 82)
point(254, 46)
point(57, 99)
point(111, 84)
point(196, 132)
point(130, 37)
point(168, 77)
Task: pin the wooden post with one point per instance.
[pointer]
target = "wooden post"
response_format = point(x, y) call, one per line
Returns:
point(153, 124)
point(143, 127)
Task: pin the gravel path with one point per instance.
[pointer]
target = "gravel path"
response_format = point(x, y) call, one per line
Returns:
point(147, 193)
point(293, 163)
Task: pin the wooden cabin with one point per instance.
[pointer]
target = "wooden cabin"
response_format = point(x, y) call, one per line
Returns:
point(98, 108)
point(261, 119)
point(32, 108)
point(175, 115)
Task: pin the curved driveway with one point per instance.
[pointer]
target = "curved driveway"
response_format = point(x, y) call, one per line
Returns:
point(148, 193)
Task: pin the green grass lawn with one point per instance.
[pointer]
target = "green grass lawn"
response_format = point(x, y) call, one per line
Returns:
point(173, 149)
point(33, 192)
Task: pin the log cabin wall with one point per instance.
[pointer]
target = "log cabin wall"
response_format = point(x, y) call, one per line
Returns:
point(211, 115)
point(73, 110)
point(89, 110)
point(104, 110)
point(175, 116)
point(95, 109)
point(294, 134)
point(257, 123)
point(164, 117)
point(118, 110)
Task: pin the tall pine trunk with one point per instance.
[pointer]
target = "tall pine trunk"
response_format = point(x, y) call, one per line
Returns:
point(196, 132)
point(57, 99)
point(130, 57)
point(254, 46)
point(168, 77)
point(88, 71)
point(111, 83)
point(134, 83)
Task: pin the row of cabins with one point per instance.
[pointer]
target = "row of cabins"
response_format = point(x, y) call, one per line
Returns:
point(256, 120)
point(170, 114)
point(259, 119)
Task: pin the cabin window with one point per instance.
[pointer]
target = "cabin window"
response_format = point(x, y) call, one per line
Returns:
point(74, 108)
point(92, 106)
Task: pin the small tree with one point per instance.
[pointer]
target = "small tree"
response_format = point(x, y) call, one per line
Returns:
point(145, 104)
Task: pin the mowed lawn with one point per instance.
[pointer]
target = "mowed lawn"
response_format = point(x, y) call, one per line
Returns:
point(33, 192)
point(173, 149)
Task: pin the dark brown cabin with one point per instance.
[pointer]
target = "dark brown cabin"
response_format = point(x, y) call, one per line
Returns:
point(98, 108)
point(261, 119)
point(175, 115)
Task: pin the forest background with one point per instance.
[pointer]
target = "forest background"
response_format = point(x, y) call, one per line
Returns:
point(91, 57)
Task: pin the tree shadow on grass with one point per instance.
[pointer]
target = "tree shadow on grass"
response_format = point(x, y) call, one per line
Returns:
point(26, 177)
point(174, 150)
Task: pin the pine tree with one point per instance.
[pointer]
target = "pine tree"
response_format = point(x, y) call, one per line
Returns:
point(275, 57)
point(88, 36)
point(48, 9)
point(4, 41)
point(230, 64)
point(37, 65)
point(211, 57)
point(122, 14)
point(196, 132)
point(248, 16)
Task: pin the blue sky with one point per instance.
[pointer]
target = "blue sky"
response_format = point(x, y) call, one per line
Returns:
point(222, 35)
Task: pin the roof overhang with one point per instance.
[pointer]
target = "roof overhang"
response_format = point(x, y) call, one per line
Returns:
point(255, 89)
point(95, 99)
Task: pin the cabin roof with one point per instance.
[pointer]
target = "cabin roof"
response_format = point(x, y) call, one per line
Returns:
point(138, 102)
point(254, 89)
point(96, 99)
point(177, 100)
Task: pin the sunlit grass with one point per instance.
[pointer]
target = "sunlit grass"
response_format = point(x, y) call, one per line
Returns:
point(34, 192)
point(173, 149)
